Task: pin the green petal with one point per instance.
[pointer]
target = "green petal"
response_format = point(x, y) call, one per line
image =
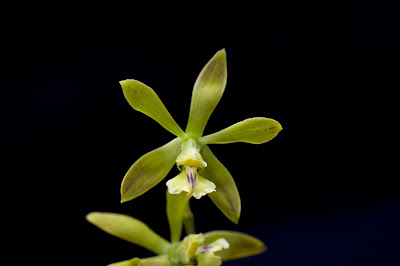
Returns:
point(129, 229)
point(132, 262)
point(149, 170)
point(240, 245)
point(176, 205)
point(255, 130)
point(226, 196)
point(143, 99)
point(207, 92)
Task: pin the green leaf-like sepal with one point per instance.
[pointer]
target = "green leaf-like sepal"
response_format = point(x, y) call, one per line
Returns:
point(129, 229)
point(207, 92)
point(240, 245)
point(143, 99)
point(255, 130)
point(149, 170)
point(226, 197)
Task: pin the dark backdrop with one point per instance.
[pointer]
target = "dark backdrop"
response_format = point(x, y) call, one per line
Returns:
point(317, 194)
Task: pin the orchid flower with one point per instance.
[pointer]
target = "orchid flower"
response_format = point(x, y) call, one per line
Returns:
point(208, 249)
point(201, 172)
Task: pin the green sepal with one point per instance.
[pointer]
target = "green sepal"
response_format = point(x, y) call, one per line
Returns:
point(240, 245)
point(129, 229)
point(226, 197)
point(176, 205)
point(143, 99)
point(132, 262)
point(149, 170)
point(255, 130)
point(207, 92)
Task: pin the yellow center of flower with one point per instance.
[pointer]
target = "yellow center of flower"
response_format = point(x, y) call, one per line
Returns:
point(192, 161)
point(190, 155)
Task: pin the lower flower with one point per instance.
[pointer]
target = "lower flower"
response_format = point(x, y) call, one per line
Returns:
point(193, 251)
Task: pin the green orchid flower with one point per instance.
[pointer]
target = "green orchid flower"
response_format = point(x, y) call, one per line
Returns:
point(201, 172)
point(208, 249)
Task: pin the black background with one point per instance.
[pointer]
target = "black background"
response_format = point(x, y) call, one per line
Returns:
point(318, 194)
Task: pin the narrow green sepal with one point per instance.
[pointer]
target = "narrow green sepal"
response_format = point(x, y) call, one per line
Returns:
point(143, 99)
point(240, 245)
point(207, 92)
point(255, 130)
point(149, 170)
point(226, 197)
point(129, 229)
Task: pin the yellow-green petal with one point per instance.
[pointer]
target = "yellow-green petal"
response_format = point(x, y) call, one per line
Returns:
point(129, 229)
point(149, 170)
point(143, 99)
point(255, 130)
point(207, 92)
point(240, 245)
point(176, 205)
point(226, 197)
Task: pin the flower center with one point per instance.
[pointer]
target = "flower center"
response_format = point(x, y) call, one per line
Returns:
point(190, 155)
point(189, 179)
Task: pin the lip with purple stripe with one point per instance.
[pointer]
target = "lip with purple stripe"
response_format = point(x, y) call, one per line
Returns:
point(191, 179)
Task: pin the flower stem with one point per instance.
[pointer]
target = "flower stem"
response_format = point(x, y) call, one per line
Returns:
point(188, 220)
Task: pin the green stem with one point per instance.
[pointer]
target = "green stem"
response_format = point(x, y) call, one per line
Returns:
point(188, 220)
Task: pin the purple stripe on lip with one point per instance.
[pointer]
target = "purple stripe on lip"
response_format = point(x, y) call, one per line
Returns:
point(188, 178)
point(191, 179)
